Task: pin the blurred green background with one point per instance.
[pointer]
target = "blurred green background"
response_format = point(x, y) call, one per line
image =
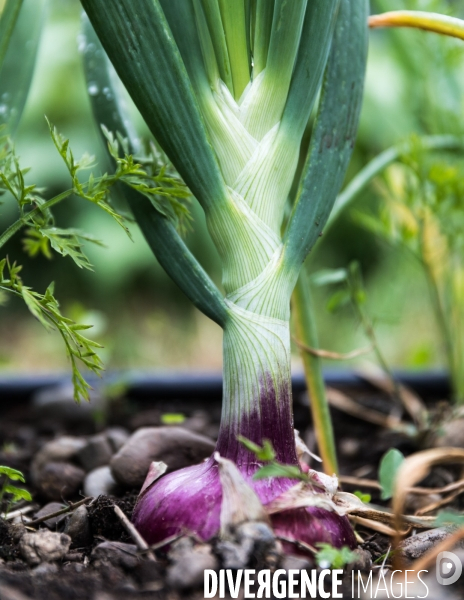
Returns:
point(414, 84)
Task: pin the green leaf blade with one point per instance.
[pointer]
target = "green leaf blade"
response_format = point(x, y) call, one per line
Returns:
point(334, 132)
point(388, 470)
point(139, 42)
point(316, 38)
point(17, 493)
point(161, 235)
point(18, 53)
point(12, 474)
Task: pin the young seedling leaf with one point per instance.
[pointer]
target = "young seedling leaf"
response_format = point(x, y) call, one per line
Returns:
point(389, 465)
point(12, 474)
point(447, 517)
point(283, 471)
point(263, 453)
point(172, 418)
point(329, 557)
point(17, 493)
point(366, 498)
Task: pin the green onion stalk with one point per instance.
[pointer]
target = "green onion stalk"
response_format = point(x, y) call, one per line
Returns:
point(305, 321)
point(227, 87)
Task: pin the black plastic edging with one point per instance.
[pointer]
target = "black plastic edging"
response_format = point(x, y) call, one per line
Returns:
point(180, 385)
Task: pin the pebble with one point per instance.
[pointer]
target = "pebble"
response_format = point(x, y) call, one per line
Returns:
point(251, 539)
point(145, 418)
point(45, 568)
point(63, 449)
point(350, 447)
point(58, 480)
point(451, 434)
point(43, 546)
point(100, 482)
point(415, 502)
point(188, 564)
point(97, 452)
point(116, 553)
point(198, 422)
point(175, 446)
point(363, 560)
point(117, 437)
point(290, 562)
point(78, 527)
point(9, 593)
point(48, 509)
point(415, 546)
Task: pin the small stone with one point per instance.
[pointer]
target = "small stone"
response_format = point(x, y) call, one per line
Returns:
point(44, 546)
point(48, 509)
point(75, 557)
point(175, 446)
point(349, 447)
point(291, 562)
point(117, 437)
point(100, 482)
point(45, 568)
point(145, 418)
point(415, 546)
point(250, 540)
point(60, 480)
point(233, 555)
point(363, 560)
point(78, 527)
point(198, 422)
point(63, 449)
point(415, 502)
point(97, 452)
point(450, 434)
point(116, 553)
point(188, 564)
point(73, 567)
point(8, 592)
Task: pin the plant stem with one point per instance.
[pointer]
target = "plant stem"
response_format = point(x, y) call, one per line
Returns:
point(306, 330)
point(428, 21)
point(381, 162)
point(257, 396)
point(23, 221)
point(442, 321)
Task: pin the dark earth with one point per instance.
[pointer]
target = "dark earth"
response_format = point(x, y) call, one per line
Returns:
point(84, 460)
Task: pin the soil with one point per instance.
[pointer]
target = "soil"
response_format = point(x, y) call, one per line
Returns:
point(98, 559)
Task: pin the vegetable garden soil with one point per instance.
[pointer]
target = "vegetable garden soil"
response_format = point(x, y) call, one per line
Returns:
point(87, 553)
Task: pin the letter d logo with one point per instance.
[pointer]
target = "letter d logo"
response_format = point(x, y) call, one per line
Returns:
point(449, 568)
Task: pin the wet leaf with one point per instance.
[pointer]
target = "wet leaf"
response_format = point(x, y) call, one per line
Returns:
point(389, 465)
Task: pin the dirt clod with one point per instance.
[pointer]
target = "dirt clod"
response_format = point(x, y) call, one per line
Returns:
point(44, 546)
point(188, 563)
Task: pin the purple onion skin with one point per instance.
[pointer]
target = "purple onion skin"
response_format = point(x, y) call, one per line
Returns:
point(189, 500)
